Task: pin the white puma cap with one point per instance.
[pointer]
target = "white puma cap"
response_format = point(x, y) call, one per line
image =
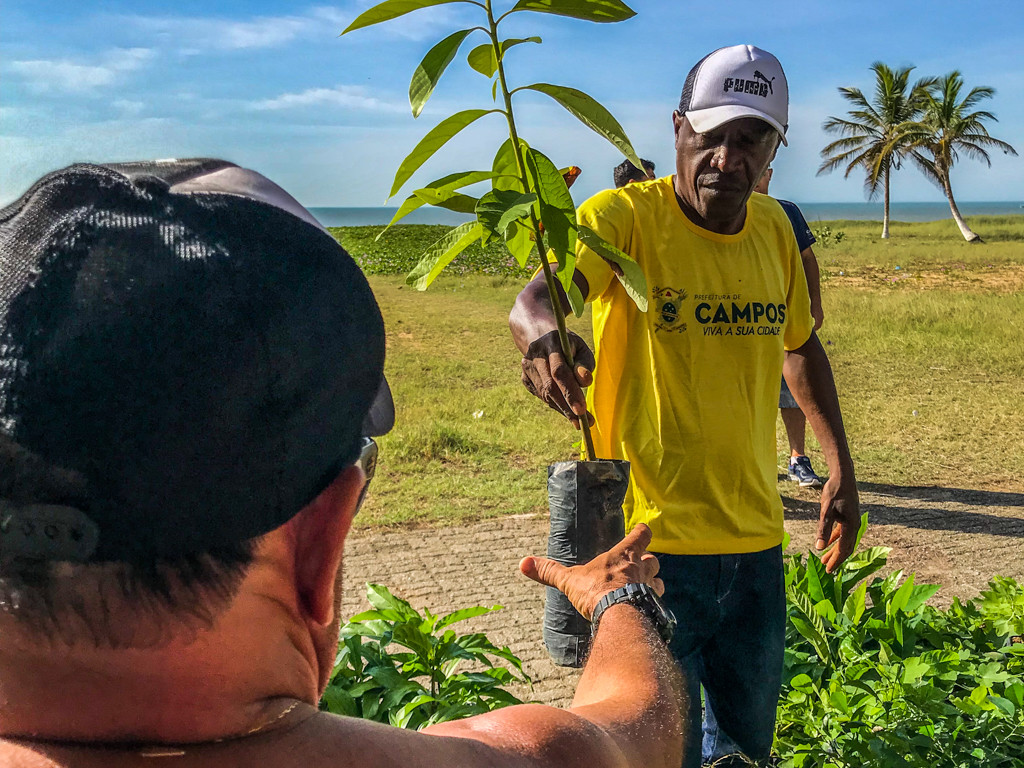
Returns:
point(736, 82)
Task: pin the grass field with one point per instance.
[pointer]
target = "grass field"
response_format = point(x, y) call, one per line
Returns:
point(928, 360)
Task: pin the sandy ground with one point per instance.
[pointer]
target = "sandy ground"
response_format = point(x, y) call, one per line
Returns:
point(955, 537)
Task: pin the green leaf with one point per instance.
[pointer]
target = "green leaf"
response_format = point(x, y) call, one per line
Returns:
point(801, 682)
point(914, 669)
point(826, 610)
point(920, 594)
point(460, 180)
point(557, 212)
point(813, 628)
point(453, 201)
point(577, 301)
point(514, 41)
point(853, 608)
point(861, 531)
point(411, 204)
point(339, 702)
point(482, 60)
point(632, 277)
point(401, 718)
point(602, 11)
point(466, 613)
point(436, 138)
point(391, 9)
point(591, 114)
point(1004, 705)
point(522, 206)
point(564, 275)
point(441, 253)
point(863, 564)
point(818, 585)
point(498, 208)
point(429, 72)
point(505, 168)
point(519, 241)
point(812, 636)
point(899, 600)
point(380, 597)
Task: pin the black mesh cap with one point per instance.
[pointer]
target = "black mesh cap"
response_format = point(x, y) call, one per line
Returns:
point(188, 354)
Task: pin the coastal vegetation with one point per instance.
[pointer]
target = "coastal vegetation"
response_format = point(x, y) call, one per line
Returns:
point(927, 122)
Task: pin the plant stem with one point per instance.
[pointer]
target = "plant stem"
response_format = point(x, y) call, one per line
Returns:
point(549, 277)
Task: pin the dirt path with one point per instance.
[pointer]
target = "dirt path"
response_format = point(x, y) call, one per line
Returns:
point(950, 536)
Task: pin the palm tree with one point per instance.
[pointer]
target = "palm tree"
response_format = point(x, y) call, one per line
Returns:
point(948, 128)
point(870, 131)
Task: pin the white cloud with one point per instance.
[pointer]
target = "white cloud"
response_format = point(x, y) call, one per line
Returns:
point(346, 96)
point(66, 76)
point(195, 34)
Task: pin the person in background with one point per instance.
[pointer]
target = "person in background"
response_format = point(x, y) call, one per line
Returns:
point(627, 173)
point(687, 391)
point(800, 470)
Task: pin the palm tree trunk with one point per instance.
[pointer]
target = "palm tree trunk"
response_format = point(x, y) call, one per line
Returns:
point(885, 214)
point(969, 235)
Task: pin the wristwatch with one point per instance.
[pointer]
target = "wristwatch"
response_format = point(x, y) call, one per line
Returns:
point(645, 600)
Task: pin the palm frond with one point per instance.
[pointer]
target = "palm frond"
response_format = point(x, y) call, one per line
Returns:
point(975, 152)
point(927, 167)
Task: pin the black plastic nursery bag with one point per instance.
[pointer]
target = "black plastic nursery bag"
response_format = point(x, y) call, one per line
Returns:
point(585, 500)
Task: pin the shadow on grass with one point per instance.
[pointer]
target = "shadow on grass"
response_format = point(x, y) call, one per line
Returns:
point(928, 518)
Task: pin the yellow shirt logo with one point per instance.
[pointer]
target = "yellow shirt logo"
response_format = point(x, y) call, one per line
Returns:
point(667, 306)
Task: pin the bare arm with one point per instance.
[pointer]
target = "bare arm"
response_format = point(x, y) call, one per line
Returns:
point(545, 373)
point(809, 376)
point(626, 713)
point(813, 285)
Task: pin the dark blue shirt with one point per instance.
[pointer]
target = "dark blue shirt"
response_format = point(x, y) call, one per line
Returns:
point(804, 238)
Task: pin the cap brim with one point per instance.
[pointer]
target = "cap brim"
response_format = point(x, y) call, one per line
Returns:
point(704, 120)
point(381, 416)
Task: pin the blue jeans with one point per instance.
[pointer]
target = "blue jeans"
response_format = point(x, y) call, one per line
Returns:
point(730, 639)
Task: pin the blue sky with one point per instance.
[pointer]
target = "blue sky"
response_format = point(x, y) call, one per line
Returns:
point(272, 86)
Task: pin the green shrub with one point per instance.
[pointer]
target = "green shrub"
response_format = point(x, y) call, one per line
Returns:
point(398, 666)
point(400, 249)
point(826, 238)
point(874, 676)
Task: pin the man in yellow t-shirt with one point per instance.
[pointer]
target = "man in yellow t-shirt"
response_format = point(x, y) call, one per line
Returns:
point(687, 392)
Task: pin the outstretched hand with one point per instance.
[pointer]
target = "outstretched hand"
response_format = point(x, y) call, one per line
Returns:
point(628, 562)
point(548, 376)
point(839, 523)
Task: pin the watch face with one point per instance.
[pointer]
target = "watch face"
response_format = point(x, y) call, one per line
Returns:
point(666, 620)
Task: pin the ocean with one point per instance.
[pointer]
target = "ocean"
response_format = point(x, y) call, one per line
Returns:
point(355, 217)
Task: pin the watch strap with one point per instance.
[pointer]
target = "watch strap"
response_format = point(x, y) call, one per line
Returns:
point(645, 600)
